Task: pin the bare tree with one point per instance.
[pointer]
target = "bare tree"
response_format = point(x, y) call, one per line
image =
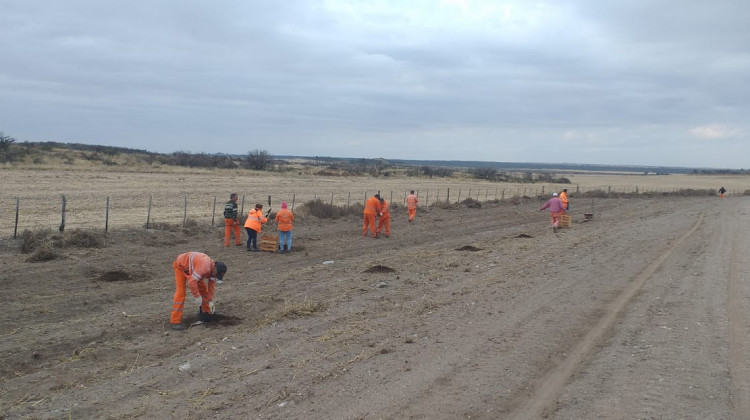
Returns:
point(6, 155)
point(257, 159)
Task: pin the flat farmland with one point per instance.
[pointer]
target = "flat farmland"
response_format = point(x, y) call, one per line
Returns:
point(200, 194)
point(478, 312)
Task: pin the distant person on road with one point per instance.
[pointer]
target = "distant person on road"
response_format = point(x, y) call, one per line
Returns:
point(385, 219)
point(722, 190)
point(284, 219)
point(411, 205)
point(372, 209)
point(556, 210)
point(564, 199)
point(200, 273)
point(231, 221)
point(253, 224)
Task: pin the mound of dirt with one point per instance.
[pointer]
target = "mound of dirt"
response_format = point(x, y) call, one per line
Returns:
point(379, 269)
point(468, 248)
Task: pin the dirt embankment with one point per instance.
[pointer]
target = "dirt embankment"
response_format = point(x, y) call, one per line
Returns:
point(642, 312)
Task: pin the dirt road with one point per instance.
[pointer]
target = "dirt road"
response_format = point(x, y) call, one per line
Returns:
point(483, 313)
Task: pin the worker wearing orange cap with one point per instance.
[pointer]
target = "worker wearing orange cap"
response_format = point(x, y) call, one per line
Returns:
point(372, 209)
point(285, 218)
point(200, 273)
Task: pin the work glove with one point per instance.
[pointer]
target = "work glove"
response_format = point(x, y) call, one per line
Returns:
point(199, 300)
point(211, 307)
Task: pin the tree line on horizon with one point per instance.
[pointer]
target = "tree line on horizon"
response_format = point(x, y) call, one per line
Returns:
point(13, 151)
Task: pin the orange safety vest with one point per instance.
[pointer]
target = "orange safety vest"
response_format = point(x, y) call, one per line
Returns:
point(284, 218)
point(372, 206)
point(564, 198)
point(254, 219)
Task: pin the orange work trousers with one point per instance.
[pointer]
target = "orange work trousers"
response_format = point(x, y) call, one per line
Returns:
point(369, 221)
point(384, 221)
point(412, 213)
point(178, 303)
point(555, 216)
point(231, 225)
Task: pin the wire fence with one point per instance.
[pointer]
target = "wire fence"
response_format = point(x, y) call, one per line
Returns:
point(82, 210)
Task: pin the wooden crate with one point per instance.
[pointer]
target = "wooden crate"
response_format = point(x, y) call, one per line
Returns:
point(269, 243)
point(565, 220)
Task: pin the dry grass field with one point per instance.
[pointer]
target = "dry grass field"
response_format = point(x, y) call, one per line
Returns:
point(472, 311)
point(199, 194)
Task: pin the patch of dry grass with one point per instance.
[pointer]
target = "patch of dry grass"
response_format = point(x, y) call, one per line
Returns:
point(291, 310)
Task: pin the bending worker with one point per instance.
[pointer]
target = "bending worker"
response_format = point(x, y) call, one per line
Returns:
point(253, 225)
point(372, 209)
point(199, 272)
point(411, 204)
point(385, 219)
point(231, 222)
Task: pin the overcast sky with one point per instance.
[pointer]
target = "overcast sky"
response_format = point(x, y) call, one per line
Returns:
point(637, 82)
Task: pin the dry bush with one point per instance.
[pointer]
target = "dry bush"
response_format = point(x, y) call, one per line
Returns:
point(169, 227)
point(472, 203)
point(43, 253)
point(323, 210)
point(746, 192)
point(82, 239)
point(33, 240)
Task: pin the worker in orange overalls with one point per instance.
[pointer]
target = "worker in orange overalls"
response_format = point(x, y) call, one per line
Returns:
point(199, 272)
point(231, 222)
point(253, 225)
point(385, 219)
point(411, 204)
point(372, 209)
point(722, 190)
point(564, 198)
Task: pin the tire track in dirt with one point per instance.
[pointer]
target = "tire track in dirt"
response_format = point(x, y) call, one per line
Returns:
point(550, 385)
point(739, 371)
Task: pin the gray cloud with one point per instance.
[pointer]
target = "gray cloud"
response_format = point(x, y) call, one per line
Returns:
point(644, 82)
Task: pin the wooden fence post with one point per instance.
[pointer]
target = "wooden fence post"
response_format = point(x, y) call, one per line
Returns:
point(293, 197)
point(184, 213)
point(242, 209)
point(348, 197)
point(148, 213)
point(15, 228)
point(62, 224)
point(106, 217)
point(331, 198)
point(213, 214)
point(448, 196)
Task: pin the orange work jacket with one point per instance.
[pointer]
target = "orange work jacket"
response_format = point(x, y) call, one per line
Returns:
point(197, 266)
point(284, 219)
point(384, 209)
point(564, 199)
point(254, 219)
point(411, 201)
point(372, 206)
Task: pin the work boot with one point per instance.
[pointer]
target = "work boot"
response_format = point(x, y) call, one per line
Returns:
point(177, 327)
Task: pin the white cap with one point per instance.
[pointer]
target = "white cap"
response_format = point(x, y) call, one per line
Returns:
point(554, 194)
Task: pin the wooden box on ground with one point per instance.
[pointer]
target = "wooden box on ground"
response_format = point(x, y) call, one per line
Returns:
point(269, 243)
point(565, 220)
